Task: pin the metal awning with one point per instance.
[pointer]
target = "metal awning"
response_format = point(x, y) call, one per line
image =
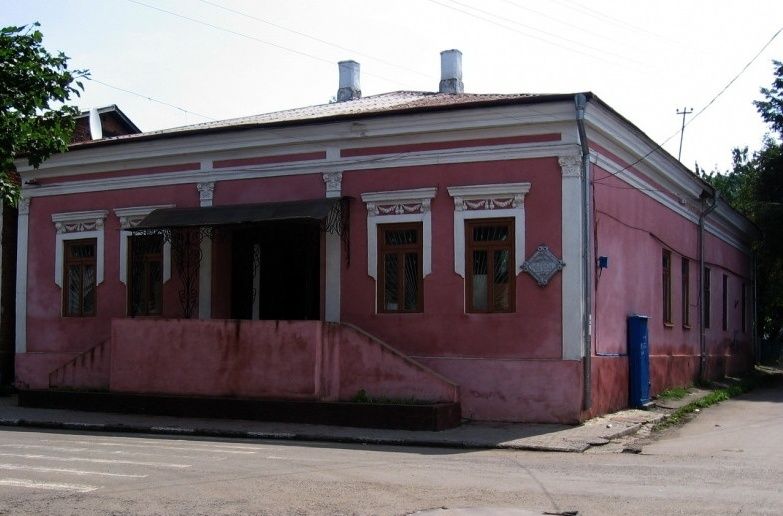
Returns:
point(166, 218)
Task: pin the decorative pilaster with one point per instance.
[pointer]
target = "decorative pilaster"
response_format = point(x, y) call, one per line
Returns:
point(206, 193)
point(334, 184)
point(570, 165)
point(571, 249)
point(21, 274)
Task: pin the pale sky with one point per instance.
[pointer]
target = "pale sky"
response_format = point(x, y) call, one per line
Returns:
point(242, 57)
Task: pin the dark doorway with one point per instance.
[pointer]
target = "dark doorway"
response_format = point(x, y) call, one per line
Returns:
point(276, 271)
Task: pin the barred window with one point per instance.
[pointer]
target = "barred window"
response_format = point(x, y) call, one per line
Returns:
point(145, 282)
point(400, 267)
point(686, 293)
point(79, 271)
point(667, 287)
point(489, 246)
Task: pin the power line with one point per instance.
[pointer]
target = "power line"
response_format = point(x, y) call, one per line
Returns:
point(557, 20)
point(598, 15)
point(151, 99)
point(527, 35)
point(314, 38)
point(253, 38)
point(702, 110)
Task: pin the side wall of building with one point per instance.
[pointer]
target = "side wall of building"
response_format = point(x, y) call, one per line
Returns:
point(634, 231)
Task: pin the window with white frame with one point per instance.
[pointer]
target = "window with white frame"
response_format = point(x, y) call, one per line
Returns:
point(145, 261)
point(389, 215)
point(79, 259)
point(481, 212)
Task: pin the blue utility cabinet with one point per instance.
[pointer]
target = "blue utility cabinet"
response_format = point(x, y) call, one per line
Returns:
point(638, 361)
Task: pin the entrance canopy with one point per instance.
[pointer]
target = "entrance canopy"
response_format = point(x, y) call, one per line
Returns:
point(315, 209)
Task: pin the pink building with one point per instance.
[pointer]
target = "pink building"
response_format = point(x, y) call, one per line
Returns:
point(439, 246)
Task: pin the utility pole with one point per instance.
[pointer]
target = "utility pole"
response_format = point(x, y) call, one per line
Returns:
point(685, 111)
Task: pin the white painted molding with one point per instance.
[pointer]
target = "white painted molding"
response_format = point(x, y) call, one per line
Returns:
point(366, 163)
point(206, 193)
point(333, 248)
point(496, 121)
point(570, 165)
point(334, 183)
point(78, 225)
point(129, 218)
point(489, 202)
point(572, 302)
point(654, 193)
point(21, 274)
point(393, 207)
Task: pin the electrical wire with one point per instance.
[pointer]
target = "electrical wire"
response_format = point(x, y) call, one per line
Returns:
point(314, 38)
point(512, 29)
point(151, 99)
point(702, 110)
point(550, 34)
point(253, 38)
point(558, 20)
point(617, 22)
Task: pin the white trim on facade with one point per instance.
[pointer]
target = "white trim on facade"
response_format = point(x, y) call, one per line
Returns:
point(129, 218)
point(333, 182)
point(487, 122)
point(366, 163)
point(206, 194)
point(393, 207)
point(572, 248)
point(21, 274)
point(77, 225)
point(682, 207)
point(506, 200)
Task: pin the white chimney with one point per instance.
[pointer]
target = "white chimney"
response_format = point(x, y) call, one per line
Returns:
point(349, 81)
point(96, 131)
point(451, 72)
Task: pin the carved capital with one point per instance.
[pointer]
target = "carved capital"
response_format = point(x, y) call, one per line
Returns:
point(334, 183)
point(24, 206)
point(571, 165)
point(206, 193)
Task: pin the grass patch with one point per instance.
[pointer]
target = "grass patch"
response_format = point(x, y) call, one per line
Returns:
point(681, 415)
point(675, 393)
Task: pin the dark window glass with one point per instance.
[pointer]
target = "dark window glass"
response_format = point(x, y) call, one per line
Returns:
point(79, 268)
point(145, 278)
point(400, 257)
point(490, 256)
point(707, 294)
point(725, 318)
point(667, 287)
point(686, 293)
point(744, 308)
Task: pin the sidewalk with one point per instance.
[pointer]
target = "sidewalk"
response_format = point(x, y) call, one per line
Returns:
point(541, 437)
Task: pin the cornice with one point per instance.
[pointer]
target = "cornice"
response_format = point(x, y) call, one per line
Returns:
point(312, 136)
point(369, 163)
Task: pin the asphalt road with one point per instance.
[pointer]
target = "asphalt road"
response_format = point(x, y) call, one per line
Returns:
point(732, 468)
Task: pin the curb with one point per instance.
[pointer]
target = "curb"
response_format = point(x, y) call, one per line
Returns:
point(575, 447)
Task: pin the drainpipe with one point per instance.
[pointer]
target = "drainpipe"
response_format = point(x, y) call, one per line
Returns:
point(707, 208)
point(587, 393)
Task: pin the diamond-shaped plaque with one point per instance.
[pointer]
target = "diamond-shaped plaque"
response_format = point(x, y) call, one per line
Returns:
point(543, 265)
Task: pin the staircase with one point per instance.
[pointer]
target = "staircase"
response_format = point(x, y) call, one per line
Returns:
point(86, 371)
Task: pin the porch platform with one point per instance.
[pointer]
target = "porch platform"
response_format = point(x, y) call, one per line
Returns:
point(430, 416)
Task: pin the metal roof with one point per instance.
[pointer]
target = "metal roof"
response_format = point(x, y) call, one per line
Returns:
point(374, 105)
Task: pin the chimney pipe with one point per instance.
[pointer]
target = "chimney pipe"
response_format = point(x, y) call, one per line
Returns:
point(451, 72)
point(96, 131)
point(349, 81)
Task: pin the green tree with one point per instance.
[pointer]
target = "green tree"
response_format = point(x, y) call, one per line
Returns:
point(754, 186)
point(35, 122)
